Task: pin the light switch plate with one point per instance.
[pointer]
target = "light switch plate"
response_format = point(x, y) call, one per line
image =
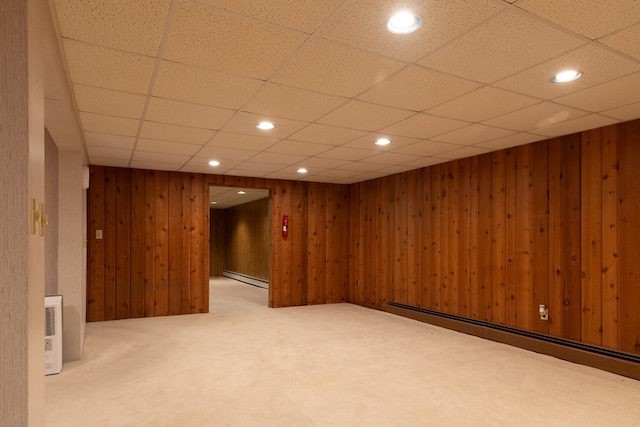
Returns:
point(98, 234)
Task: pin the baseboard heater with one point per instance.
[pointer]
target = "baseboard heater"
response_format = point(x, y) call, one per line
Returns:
point(617, 362)
point(261, 283)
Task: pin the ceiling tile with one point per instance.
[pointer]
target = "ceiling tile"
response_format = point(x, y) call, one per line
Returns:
point(424, 162)
point(241, 141)
point(301, 15)
point(360, 167)
point(418, 88)
point(329, 135)
point(297, 147)
point(321, 163)
point(223, 154)
point(201, 165)
point(277, 159)
point(107, 161)
point(345, 153)
point(626, 41)
point(597, 64)
point(185, 114)
point(166, 147)
point(96, 66)
point(607, 96)
point(165, 132)
point(134, 26)
point(424, 126)
point(109, 153)
point(483, 104)
point(628, 112)
point(427, 148)
point(505, 45)
point(362, 24)
point(592, 19)
point(539, 115)
point(591, 121)
point(464, 152)
point(108, 124)
point(331, 68)
point(109, 102)
point(237, 171)
point(111, 141)
point(511, 141)
point(246, 123)
point(292, 103)
point(340, 173)
point(365, 116)
point(156, 166)
point(171, 159)
point(258, 166)
point(200, 86)
point(225, 42)
point(368, 142)
point(474, 134)
point(390, 159)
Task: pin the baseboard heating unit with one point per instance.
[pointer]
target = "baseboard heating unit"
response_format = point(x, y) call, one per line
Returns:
point(261, 283)
point(617, 362)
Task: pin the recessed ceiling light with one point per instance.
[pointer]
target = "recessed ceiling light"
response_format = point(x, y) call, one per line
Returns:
point(214, 203)
point(214, 163)
point(302, 170)
point(242, 192)
point(566, 76)
point(383, 141)
point(404, 23)
point(265, 125)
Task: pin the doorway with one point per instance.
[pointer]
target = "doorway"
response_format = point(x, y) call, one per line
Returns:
point(240, 237)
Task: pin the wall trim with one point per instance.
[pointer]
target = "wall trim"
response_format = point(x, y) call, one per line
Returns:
point(261, 283)
point(617, 362)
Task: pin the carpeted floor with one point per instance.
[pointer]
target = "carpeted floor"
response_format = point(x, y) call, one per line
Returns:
point(244, 364)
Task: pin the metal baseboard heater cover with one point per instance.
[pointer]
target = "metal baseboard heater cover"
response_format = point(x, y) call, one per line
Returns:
point(617, 362)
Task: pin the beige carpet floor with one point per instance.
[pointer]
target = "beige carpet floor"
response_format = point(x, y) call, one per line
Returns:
point(245, 364)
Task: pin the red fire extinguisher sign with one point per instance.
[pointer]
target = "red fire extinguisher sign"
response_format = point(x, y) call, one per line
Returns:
point(285, 225)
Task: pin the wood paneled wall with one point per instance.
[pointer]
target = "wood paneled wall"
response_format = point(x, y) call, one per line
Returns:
point(494, 236)
point(155, 240)
point(151, 260)
point(216, 242)
point(247, 235)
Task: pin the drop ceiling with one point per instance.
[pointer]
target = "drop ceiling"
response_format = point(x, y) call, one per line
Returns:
point(171, 85)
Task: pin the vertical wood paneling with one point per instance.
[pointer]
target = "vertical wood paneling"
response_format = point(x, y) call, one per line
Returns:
point(540, 260)
point(109, 234)
point(436, 226)
point(524, 237)
point(591, 280)
point(161, 253)
point(629, 237)
point(185, 231)
point(484, 237)
point(571, 238)
point(123, 244)
point(474, 237)
point(498, 238)
point(510, 237)
point(555, 272)
point(610, 237)
point(150, 244)
point(175, 255)
point(96, 270)
point(410, 240)
point(197, 241)
point(426, 225)
point(464, 238)
point(452, 266)
point(138, 223)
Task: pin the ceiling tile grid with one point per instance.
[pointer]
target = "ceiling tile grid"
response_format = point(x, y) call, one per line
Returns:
point(172, 84)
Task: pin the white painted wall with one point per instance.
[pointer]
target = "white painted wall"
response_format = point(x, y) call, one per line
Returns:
point(72, 252)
